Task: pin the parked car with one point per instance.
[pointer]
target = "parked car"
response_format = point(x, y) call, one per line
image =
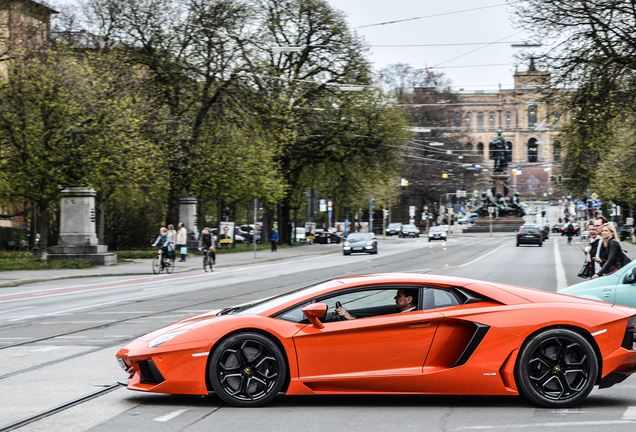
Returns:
point(615, 288)
point(529, 234)
point(247, 232)
point(410, 231)
point(360, 242)
point(626, 232)
point(463, 221)
point(437, 233)
point(300, 235)
point(551, 348)
point(473, 218)
point(394, 228)
point(326, 236)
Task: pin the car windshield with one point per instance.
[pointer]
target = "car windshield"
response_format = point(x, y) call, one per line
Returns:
point(436, 229)
point(264, 304)
point(359, 237)
point(409, 226)
point(528, 230)
point(394, 226)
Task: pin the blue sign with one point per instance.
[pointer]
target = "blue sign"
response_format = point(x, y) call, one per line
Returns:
point(462, 209)
point(575, 200)
point(595, 203)
point(542, 207)
point(581, 206)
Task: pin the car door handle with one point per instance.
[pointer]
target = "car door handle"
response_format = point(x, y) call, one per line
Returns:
point(421, 324)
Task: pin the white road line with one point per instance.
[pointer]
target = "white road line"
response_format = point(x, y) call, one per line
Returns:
point(170, 416)
point(550, 425)
point(17, 309)
point(562, 282)
point(482, 257)
point(630, 413)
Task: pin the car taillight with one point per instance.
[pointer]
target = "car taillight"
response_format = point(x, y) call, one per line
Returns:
point(537, 235)
point(520, 235)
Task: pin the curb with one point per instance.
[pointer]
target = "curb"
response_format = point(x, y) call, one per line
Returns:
point(19, 282)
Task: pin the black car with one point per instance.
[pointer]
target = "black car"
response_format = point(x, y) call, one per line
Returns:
point(626, 232)
point(360, 242)
point(394, 228)
point(529, 234)
point(325, 236)
point(409, 231)
point(557, 227)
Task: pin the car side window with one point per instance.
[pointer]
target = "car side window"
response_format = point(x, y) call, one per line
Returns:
point(439, 298)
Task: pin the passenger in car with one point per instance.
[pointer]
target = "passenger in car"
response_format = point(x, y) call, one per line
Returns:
point(405, 301)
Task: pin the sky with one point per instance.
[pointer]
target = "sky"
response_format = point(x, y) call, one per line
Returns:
point(462, 64)
point(458, 23)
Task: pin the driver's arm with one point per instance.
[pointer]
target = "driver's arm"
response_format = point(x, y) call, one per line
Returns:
point(344, 313)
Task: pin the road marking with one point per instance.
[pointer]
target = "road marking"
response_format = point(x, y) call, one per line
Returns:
point(17, 309)
point(562, 282)
point(552, 425)
point(630, 413)
point(170, 416)
point(46, 348)
point(481, 257)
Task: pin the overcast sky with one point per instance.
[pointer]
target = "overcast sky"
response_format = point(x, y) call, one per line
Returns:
point(458, 23)
point(463, 67)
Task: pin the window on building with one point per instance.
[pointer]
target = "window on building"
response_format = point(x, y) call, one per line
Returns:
point(457, 119)
point(469, 146)
point(480, 148)
point(509, 145)
point(508, 120)
point(480, 120)
point(492, 123)
point(532, 116)
point(468, 120)
point(556, 151)
point(556, 118)
point(533, 150)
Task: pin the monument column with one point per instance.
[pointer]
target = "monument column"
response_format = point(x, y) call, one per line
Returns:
point(188, 216)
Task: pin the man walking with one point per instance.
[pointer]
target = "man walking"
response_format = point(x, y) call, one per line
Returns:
point(182, 240)
point(592, 250)
point(273, 238)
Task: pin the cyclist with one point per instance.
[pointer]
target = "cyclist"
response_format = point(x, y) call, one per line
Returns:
point(569, 232)
point(206, 242)
point(163, 241)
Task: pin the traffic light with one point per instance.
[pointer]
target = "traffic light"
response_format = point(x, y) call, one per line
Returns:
point(559, 179)
point(552, 179)
point(543, 213)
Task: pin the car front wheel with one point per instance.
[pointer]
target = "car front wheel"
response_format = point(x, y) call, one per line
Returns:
point(556, 368)
point(247, 370)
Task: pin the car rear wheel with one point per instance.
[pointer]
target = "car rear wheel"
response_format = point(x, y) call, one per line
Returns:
point(556, 368)
point(247, 370)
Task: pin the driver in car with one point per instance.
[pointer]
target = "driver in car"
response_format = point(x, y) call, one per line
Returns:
point(405, 301)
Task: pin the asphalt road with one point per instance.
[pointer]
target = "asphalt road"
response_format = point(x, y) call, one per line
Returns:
point(58, 340)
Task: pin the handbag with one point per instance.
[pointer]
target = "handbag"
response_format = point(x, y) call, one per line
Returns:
point(183, 250)
point(586, 271)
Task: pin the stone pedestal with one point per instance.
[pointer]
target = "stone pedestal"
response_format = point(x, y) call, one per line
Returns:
point(188, 217)
point(78, 240)
point(503, 224)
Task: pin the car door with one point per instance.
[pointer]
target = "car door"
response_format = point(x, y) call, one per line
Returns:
point(352, 354)
point(624, 292)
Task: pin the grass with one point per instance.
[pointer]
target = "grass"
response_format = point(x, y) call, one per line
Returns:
point(26, 261)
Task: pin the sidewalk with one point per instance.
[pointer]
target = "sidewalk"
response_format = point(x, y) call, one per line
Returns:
point(143, 267)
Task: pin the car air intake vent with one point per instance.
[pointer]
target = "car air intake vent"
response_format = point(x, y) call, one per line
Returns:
point(149, 374)
point(628, 339)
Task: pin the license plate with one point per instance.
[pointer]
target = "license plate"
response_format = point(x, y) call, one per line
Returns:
point(357, 248)
point(530, 236)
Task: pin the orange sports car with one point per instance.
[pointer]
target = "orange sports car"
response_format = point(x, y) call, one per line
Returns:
point(392, 334)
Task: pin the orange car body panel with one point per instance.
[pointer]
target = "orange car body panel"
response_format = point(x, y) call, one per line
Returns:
point(415, 352)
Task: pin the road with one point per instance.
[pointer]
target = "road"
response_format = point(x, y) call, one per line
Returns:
point(58, 340)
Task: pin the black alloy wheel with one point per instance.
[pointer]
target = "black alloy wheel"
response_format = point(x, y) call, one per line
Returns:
point(247, 370)
point(556, 368)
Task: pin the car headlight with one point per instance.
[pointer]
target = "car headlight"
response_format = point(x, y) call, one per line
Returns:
point(430, 235)
point(165, 338)
point(443, 234)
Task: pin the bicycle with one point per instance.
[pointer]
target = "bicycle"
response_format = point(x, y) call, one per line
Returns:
point(160, 263)
point(207, 261)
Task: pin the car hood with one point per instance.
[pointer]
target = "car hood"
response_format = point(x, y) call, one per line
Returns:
point(357, 242)
point(192, 322)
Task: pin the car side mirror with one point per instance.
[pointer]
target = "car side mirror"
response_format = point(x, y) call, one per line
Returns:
point(313, 312)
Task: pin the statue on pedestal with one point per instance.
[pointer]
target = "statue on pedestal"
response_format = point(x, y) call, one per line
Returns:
point(500, 152)
point(515, 204)
point(501, 206)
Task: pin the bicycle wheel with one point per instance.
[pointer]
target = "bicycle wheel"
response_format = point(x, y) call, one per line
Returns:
point(156, 264)
point(169, 265)
point(206, 263)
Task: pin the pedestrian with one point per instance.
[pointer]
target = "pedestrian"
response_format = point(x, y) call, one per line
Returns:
point(181, 242)
point(592, 249)
point(173, 241)
point(569, 231)
point(611, 256)
point(273, 238)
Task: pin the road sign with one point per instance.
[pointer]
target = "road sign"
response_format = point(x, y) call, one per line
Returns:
point(595, 203)
point(594, 196)
point(581, 205)
point(329, 205)
point(550, 191)
point(323, 205)
point(412, 211)
point(491, 210)
point(542, 207)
